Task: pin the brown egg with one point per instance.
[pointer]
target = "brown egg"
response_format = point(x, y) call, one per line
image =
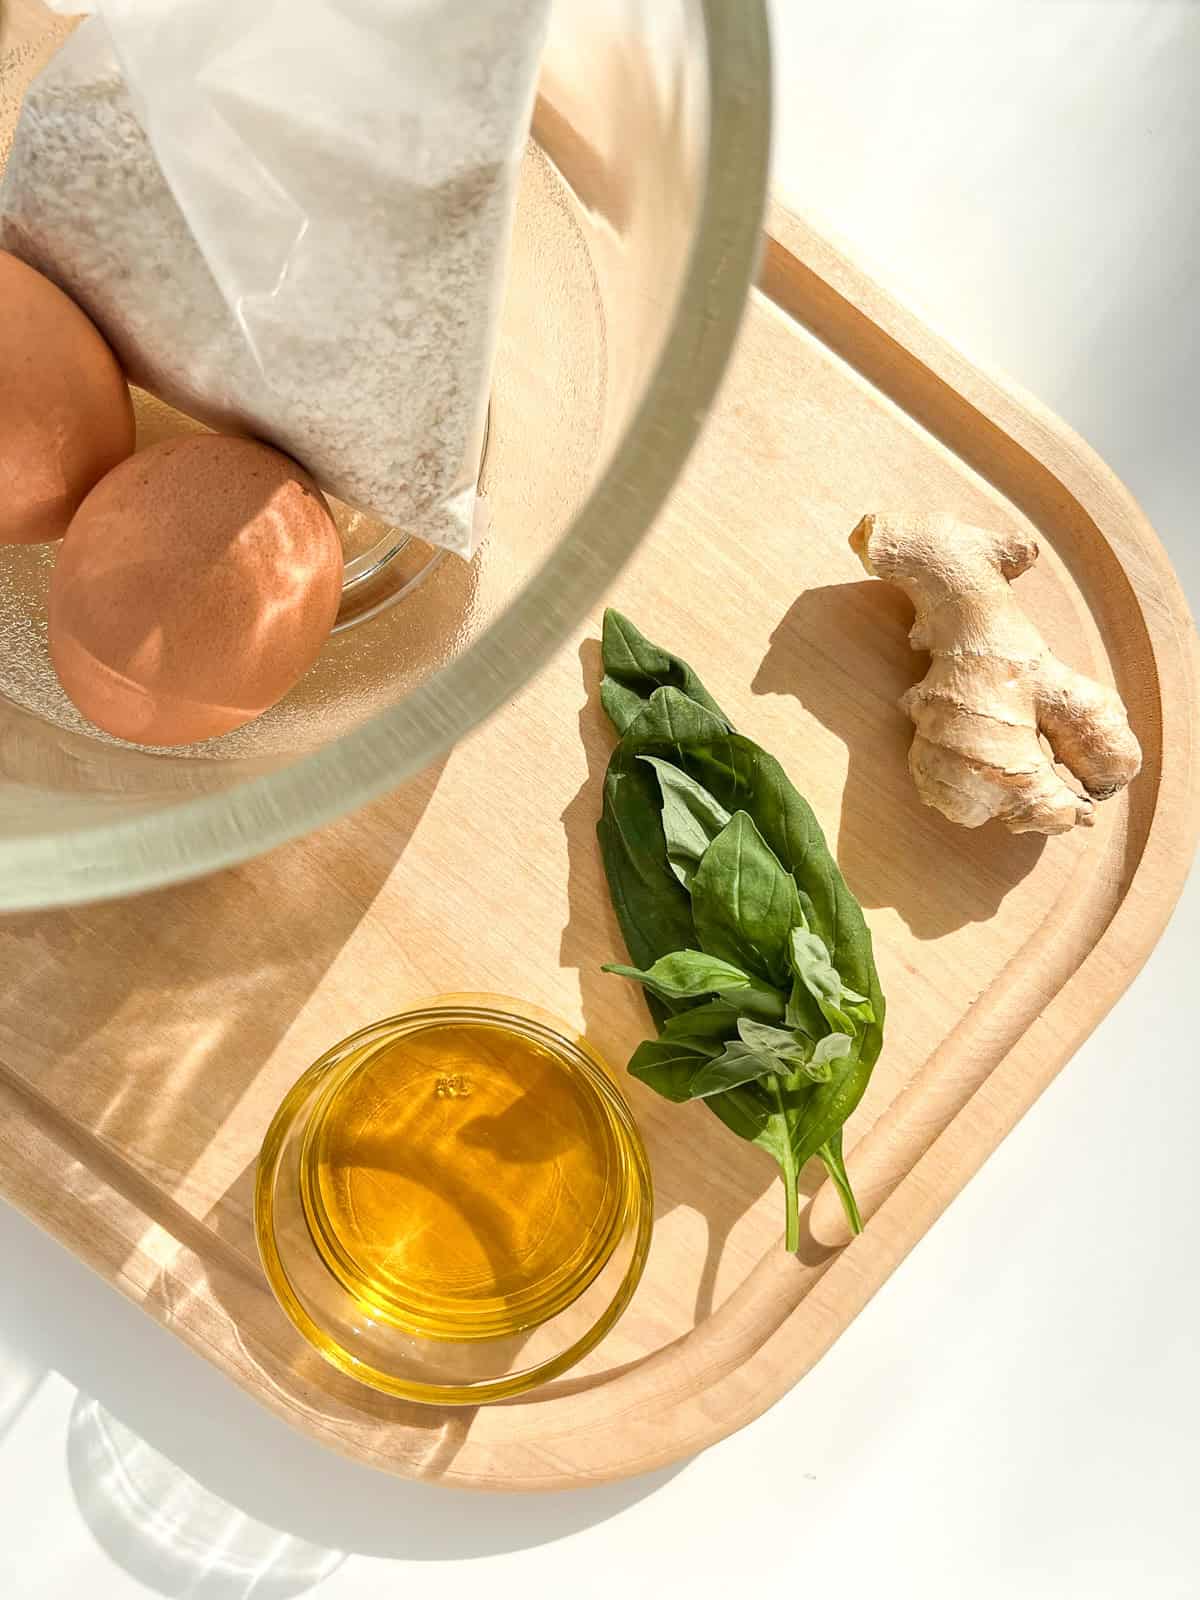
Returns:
point(65, 413)
point(196, 584)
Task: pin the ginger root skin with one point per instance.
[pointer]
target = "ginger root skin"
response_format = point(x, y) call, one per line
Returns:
point(994, 691)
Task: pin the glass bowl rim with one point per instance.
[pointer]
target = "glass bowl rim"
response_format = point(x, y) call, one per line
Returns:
point(192, 838)
point(504, 1011)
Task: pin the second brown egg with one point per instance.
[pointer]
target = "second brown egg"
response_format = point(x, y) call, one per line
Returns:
point(196, 584)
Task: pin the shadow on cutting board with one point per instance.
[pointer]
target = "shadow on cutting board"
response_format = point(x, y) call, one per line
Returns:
point(842, 651)
point(146, 1020)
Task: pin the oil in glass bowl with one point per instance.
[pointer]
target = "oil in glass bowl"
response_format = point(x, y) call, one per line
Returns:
point(454, 1205)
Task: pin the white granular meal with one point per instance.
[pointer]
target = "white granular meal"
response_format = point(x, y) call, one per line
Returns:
point(369, 359)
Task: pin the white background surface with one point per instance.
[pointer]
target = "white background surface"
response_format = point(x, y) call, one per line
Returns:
point(1017, 1412)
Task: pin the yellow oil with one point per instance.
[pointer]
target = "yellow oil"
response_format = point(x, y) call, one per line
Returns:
point(463, 1181)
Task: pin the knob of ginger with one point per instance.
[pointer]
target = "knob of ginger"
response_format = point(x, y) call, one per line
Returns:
point(994, 695)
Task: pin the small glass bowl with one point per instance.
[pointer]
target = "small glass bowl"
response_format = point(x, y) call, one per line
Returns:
point(454, 1205)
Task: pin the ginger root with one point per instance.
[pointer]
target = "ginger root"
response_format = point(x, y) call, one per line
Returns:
point(993, 688)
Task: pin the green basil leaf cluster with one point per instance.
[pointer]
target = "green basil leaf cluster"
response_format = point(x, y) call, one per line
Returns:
point(754, 955)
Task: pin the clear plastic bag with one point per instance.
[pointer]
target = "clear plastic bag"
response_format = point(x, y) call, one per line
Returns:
point(290, 218)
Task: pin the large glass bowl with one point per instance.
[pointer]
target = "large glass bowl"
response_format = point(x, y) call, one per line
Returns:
point(636, 241)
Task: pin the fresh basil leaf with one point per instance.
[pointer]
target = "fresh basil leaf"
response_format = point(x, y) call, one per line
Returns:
point(831, 1047)
point(745, 1112)
point(764, 1002)
point(634, 668)
point(712, 1024)
point(792, 1051)
point(668, 1067)
point(819, 1064)
point(652, 906)
point(687, 975)
point(811, 964)
point(744, 904)
point(740, 1064)
point(737, 1064)
point(803, 1014)
point(764, 1036)
point(669, 723)
point(691, 818)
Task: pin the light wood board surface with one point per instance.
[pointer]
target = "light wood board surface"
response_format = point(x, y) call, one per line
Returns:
point(144, 1045)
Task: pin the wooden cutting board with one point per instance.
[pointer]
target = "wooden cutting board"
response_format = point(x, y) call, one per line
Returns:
point(144, 1045)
